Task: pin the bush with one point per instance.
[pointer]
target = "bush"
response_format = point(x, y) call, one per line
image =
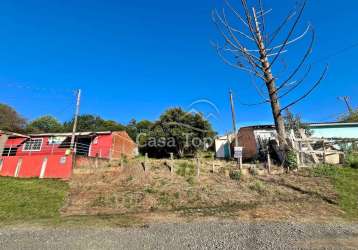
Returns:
point(235, 175)
point(291, 160)
point(258, 186)
point(352, 160)
point(185, 169)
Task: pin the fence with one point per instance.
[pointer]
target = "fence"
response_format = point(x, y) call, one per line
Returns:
point(65, 149)
point(316, 150)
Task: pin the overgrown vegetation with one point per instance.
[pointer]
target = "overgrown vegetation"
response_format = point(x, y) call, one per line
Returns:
point(352, 160)
point(351, 117)
point(346, 185)
point(235, 175)
point(185, 169)
point(31, 199)
point(291, 160)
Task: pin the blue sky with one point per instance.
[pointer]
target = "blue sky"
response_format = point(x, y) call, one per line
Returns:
point(134, 59)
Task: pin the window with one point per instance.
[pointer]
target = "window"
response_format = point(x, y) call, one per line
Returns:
point(56, 140)
point(9, 151)
point(33, 145)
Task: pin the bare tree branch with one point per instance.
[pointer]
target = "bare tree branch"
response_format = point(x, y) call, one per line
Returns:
point(297, 83)
point(290, 33)
point(281, 26)
point(310, 91)
point(304, 58)
point(241, 67)
point(236, 13)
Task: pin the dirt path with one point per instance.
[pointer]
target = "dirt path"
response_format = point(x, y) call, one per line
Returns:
point(205, 235)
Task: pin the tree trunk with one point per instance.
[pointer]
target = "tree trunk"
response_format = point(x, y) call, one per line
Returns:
point(271, 87)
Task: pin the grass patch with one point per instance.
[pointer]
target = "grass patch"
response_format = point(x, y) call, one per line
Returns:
point(352, 160)
point(345, 181)
point(31, 199)
point(185, 169)
point(259, 187)
point(235, 175)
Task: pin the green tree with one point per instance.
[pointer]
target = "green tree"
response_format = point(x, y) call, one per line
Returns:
point(293, 122)
point(134, 128)
point(10, 120)
point(44, 124)
point(352, 117)
point(178, 132)
point(88, 122)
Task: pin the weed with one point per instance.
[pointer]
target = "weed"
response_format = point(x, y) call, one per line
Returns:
point(130, 178)
point(352, 160)
point(190, 180)
point(185, 169)
point(235, 175)
point(150, 190)
point(164, 199)
point(177, 195)
point(100, 201)
point(258, 186)
point(253, 171)
point(291, 160)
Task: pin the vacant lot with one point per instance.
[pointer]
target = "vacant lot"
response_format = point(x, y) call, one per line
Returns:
point(159, 195)
point(123, 196)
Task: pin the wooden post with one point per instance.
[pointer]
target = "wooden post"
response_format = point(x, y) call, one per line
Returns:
point(171, 163)
point(302, 156)
point(268, 161)
point(213, 165)
point(324, 152)
point(122, 160)
point(146, 167)
point(197, 167)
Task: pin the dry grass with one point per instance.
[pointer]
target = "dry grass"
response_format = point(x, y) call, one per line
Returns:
point(158, 194)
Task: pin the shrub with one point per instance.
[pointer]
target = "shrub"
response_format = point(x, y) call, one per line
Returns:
point(352, 160)
point(253, 171)
point(258, 186)
point(185, 169)
point(291, 160)
point(235, 175)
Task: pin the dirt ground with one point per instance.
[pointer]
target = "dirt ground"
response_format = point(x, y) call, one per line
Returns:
point(157, 195)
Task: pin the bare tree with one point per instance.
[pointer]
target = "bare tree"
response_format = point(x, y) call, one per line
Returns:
point(251, 47)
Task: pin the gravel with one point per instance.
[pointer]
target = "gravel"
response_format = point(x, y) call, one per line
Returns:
point(209, 235)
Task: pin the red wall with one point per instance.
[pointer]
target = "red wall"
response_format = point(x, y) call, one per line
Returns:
point(31, 166)
point(102, 147)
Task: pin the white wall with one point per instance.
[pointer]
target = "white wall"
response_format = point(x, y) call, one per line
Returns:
point(335, 132)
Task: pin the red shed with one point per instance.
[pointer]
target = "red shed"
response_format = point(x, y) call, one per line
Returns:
point(48, 155)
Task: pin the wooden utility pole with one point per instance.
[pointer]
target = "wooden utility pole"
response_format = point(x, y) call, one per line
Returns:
point(346, 100)
point(233, 118)
point(75, 119)
point(234, 124)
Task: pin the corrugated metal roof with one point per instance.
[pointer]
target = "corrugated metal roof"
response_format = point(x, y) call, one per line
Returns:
point(70, 134)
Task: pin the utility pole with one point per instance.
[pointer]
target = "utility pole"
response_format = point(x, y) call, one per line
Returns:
point(75, 119)
point(346, 100)
point(233, 118)
point(239, 158)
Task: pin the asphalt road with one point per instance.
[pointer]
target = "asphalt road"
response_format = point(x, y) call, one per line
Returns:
point(213, 235)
